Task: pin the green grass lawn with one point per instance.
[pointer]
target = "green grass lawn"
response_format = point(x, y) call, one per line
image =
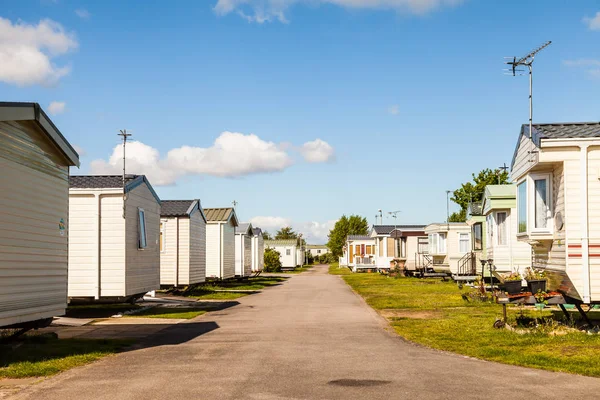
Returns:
point(38, 356)
point(433, 313)
point(230, 289)
point(334, 269)
point(168, 313)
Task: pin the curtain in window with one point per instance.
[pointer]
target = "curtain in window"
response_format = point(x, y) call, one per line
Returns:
point(463, 242)
point(502, 231)
point(541, 203)
point(442, 243)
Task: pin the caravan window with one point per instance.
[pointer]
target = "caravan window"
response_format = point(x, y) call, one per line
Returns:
point(541, 205)
point(162, 236)
point(288, 252)
point(502, 228)
point(522, 206)
point(463, 242)
point(478, 236)
point(142, 243)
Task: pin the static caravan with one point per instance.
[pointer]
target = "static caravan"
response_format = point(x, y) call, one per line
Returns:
point(500, 212)
point(258, 250)
point(243, 250)
point(359, 253)
point(398, 245)
point(220, 242)
point(289, 250)
point(449, 243)
point(471, 266)
point(114, 252)
point(34, 195)
point(182, 243)
point(317, 250)
point(556, 168)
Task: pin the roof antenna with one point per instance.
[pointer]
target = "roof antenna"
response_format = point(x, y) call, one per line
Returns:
point(504, 168)
point(124, 135)
point(235, 203)
point(528, 62)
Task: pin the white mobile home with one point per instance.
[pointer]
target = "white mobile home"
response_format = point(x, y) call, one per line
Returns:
point(182, 243)
point(359, 253)
point(243, 250)
point(290, 251)
point(556, 168)
point(220, 242)
point(317, 250)
point(258, 250)
point(34, 195)
point(399, 244)
point(114, 237)
point(449, 245)
point(500, 212)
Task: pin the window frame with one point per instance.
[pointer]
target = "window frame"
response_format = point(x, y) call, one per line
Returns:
point(288, 252)
point(162, 240)
point(531, 204)
point(142, 231)
point(520, 202)
point(480, 225)
point(506, 229)
point(460, 241)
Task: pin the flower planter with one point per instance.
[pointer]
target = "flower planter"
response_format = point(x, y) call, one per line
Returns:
point(512, 287)
point(536, 285)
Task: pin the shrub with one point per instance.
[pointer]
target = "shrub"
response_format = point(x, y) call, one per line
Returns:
point(272, 260)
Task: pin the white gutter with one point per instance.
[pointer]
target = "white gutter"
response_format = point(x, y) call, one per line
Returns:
point(585, 253)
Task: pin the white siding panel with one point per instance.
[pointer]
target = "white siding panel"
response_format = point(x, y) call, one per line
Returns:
point(247, 255)
point(34, 199)
point(142, 266)
point(525, 159)
point(112, 244)
point(83, 246)
point(168, 257)
point(228, 250)
point(197, 245)
point(213, 250)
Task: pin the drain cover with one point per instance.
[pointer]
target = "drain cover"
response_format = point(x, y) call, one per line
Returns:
point(358, 382)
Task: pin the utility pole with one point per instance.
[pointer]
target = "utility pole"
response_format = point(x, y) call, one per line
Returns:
point(528, 62)
point(448, 209)
point(123, 133)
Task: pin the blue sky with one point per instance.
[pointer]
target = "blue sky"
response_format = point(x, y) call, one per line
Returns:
point(355, 105)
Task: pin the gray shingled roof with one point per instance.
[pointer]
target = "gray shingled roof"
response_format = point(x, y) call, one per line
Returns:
point(98, 181)
point(566, 130)
point(257, 231)
point(475, 208)
point(242, 228)
point(175, 208)
point(387, 229)
point(359, 237)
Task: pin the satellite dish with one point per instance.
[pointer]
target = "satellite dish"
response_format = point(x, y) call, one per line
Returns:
point(558, 221)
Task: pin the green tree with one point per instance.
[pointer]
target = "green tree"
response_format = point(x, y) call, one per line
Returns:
point(267, 236)
point(473, 191)
point(272, 260)
point(353, 225)
point(286, 233)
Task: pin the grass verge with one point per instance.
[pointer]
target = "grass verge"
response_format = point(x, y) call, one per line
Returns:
point(168, 313)
point(335, 269)
point(433, 313)
point(230, 289)
point(44, 355)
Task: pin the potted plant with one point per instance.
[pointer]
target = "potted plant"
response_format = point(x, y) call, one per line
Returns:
point(536, 280)
point(512, 282)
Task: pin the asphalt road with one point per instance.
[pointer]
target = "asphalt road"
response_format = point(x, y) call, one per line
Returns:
point(310, 338)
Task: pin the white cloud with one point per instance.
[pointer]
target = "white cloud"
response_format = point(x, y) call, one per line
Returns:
point(83, 13)
point(56, 107)
point(593, 23)
point(80, 150)
point(394, 109)
point(582, 62)
point(27, 50)
point(313, 232)
point(271, 224)
point(269, 10)
point(317, 151)
point(232, 155)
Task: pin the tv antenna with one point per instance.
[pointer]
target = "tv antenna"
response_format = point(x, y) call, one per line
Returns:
point(503, 168)
point(394, 214)
point(123, 133)
point(527, 61)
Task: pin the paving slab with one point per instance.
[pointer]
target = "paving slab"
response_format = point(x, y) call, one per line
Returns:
point(309, 338)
